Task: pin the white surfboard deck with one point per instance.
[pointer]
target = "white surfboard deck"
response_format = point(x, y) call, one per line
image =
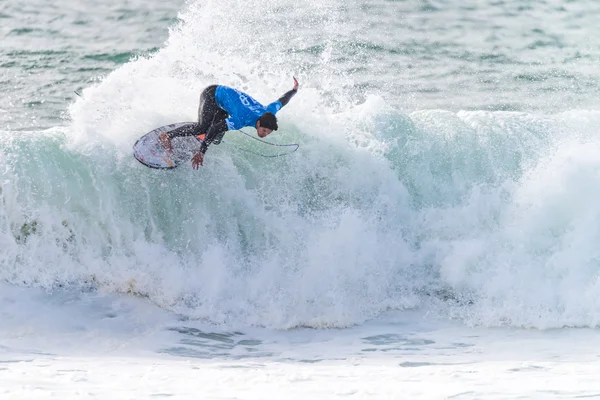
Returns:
point(149, 151)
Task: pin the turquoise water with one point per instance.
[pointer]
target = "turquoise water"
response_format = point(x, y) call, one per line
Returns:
point(448, 159)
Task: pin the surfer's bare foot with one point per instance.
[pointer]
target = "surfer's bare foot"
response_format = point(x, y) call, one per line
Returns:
point(165, 140)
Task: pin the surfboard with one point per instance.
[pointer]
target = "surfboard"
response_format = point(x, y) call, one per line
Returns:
point(150, 152)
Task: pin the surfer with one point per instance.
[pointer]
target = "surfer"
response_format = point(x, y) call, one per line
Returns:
point(223, 108)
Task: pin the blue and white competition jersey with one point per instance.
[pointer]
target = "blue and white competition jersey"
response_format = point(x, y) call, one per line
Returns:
point(243, 110)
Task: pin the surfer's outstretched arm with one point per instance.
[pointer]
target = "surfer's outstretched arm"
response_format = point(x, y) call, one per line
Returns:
point(215, 131)
point(289, 94)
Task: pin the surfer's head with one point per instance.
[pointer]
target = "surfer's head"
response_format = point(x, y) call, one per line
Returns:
point(266, 124)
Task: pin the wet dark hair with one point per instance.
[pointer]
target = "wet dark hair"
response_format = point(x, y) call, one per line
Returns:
point(269, 121)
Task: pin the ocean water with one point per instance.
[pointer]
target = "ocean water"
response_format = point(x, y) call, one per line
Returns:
point(438, 223)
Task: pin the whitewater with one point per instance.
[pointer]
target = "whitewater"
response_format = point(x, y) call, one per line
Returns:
point(434, 236)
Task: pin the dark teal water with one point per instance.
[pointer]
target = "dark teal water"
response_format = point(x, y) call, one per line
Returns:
point(492, 55)
point(50, 50)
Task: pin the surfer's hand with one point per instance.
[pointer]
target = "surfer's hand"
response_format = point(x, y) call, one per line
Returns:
point(295, 83)
point(197, 160)
point(165, 140)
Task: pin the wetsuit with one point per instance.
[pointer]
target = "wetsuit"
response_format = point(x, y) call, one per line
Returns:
point(223, 108)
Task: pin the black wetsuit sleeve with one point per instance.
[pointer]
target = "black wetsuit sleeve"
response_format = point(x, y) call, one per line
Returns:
point(214, 132)
point(186, 130)
point(287, 97)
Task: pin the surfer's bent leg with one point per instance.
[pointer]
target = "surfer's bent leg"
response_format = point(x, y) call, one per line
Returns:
point(165, 137)
point(186, 130)
point(211, 117)
point(209, 111)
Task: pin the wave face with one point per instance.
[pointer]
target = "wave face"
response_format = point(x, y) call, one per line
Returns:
point(486, 216)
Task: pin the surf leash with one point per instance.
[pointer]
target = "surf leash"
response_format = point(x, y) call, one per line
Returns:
point(269, 143)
